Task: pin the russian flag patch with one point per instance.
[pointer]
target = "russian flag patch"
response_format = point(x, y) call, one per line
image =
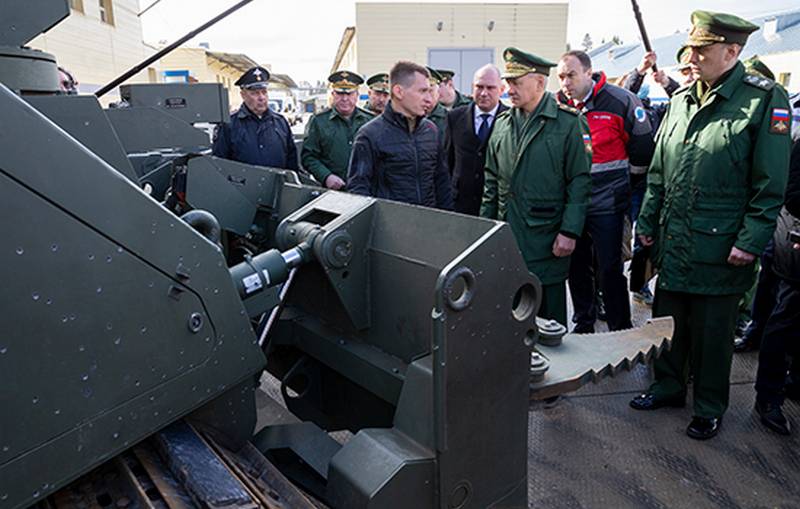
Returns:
point(587, 143)
point(779, 121)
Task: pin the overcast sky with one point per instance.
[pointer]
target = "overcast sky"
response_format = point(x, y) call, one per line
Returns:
point(300, 37)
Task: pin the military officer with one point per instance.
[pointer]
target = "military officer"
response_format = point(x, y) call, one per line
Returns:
point(256, 134)
point(378, 91)
point(714, 190)
point(449, 97)
point(330, 133)
point(537, 176)
point(435, 112)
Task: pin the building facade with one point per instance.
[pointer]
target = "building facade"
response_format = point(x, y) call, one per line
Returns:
point(457, 36)
point(100, 40)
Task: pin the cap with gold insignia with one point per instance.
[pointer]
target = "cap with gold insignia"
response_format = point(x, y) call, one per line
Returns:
point(520, 63)
point(754, 65)
point(435, 77)
point(255, 77)
point(379, 82)
point(446, 74)
point(712, 27)
point(683, 57)
point(345, 81)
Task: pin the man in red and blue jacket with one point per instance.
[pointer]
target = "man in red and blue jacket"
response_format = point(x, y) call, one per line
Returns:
point(622, 139)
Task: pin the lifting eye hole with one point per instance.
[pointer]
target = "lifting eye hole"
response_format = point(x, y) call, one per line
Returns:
point(524, 304)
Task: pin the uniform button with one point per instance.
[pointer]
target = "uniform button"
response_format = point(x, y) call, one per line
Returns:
point(669, 237)
point(714, 230)
point(261, 146)
point(686, 142)
point(349, 142)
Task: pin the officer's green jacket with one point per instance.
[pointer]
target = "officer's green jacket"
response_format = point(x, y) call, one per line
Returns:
point(329, 141)
point(461, 100)
point(439, 117)
point(716, 181)
point(537, 179)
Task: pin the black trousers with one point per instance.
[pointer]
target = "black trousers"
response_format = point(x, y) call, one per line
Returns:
point(781, 339)
point(602, 238)
point(764, 299)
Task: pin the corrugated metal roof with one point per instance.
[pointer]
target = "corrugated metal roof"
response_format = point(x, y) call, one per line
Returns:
point(618, 60)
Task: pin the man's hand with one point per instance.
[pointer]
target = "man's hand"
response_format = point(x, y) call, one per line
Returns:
point(646, 240)
point(334, 182)
point(563, 246)
point(661, 78)
point(740, 258)
point(648, 61)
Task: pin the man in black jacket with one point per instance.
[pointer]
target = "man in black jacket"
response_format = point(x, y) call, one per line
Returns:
point(782, 327)
point(468, 129)
point(398, 155)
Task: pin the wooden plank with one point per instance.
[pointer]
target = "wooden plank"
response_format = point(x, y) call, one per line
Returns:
point(266, 477)
point(172, 497)
point(125, 470)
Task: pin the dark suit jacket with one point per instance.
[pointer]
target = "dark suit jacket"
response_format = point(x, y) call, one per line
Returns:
point(465, 158)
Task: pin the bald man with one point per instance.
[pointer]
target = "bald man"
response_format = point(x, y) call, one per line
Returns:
point(468, 130)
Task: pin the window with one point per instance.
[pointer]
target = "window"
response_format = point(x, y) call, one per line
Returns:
point(784, 79)
point(106, 12)
point(76, 5)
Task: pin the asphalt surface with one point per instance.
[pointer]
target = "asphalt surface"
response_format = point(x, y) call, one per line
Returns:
point(590, 450)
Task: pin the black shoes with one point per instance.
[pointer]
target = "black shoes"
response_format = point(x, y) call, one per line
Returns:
point(703, 428)
point(648, 401)
point(773, 418)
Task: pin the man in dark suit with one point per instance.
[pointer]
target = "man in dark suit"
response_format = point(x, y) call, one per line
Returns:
point(468, 130)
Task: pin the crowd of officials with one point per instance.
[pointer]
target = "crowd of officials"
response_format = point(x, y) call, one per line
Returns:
point(702, 180)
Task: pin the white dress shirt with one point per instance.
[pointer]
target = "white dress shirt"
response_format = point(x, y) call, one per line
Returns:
point(479, 120)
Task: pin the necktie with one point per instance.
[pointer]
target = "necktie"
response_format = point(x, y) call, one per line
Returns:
point(483, 130)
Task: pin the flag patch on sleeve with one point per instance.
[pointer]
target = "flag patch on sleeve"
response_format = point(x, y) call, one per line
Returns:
point(587, 143)
point(779, 121)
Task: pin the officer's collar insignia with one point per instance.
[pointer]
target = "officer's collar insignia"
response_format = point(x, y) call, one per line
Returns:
point(779, 121)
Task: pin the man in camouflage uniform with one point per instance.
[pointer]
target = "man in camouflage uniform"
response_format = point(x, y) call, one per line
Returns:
point(330, 133)
point(714, 190)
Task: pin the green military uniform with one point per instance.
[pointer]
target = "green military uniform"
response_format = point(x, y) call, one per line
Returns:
point(379, 83)
point(537, 179)
point(439, 117)
point(439, 113)
point(716, 181)
point(461, 99)
point(329, 136)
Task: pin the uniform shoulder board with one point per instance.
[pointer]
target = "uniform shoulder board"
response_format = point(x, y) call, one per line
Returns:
point(504, 113)
point(363, 110)
point(759, 82)
point(569, 109)
point(682, 89)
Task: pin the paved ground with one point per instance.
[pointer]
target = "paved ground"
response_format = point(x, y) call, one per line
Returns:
point(591, 451)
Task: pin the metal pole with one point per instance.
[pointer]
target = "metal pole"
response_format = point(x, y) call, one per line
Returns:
point(138, 67)
point(642, 30)
point(148, 8)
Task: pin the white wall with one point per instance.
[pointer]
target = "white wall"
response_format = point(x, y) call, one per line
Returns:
point(388, 32)
point(96, 52)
